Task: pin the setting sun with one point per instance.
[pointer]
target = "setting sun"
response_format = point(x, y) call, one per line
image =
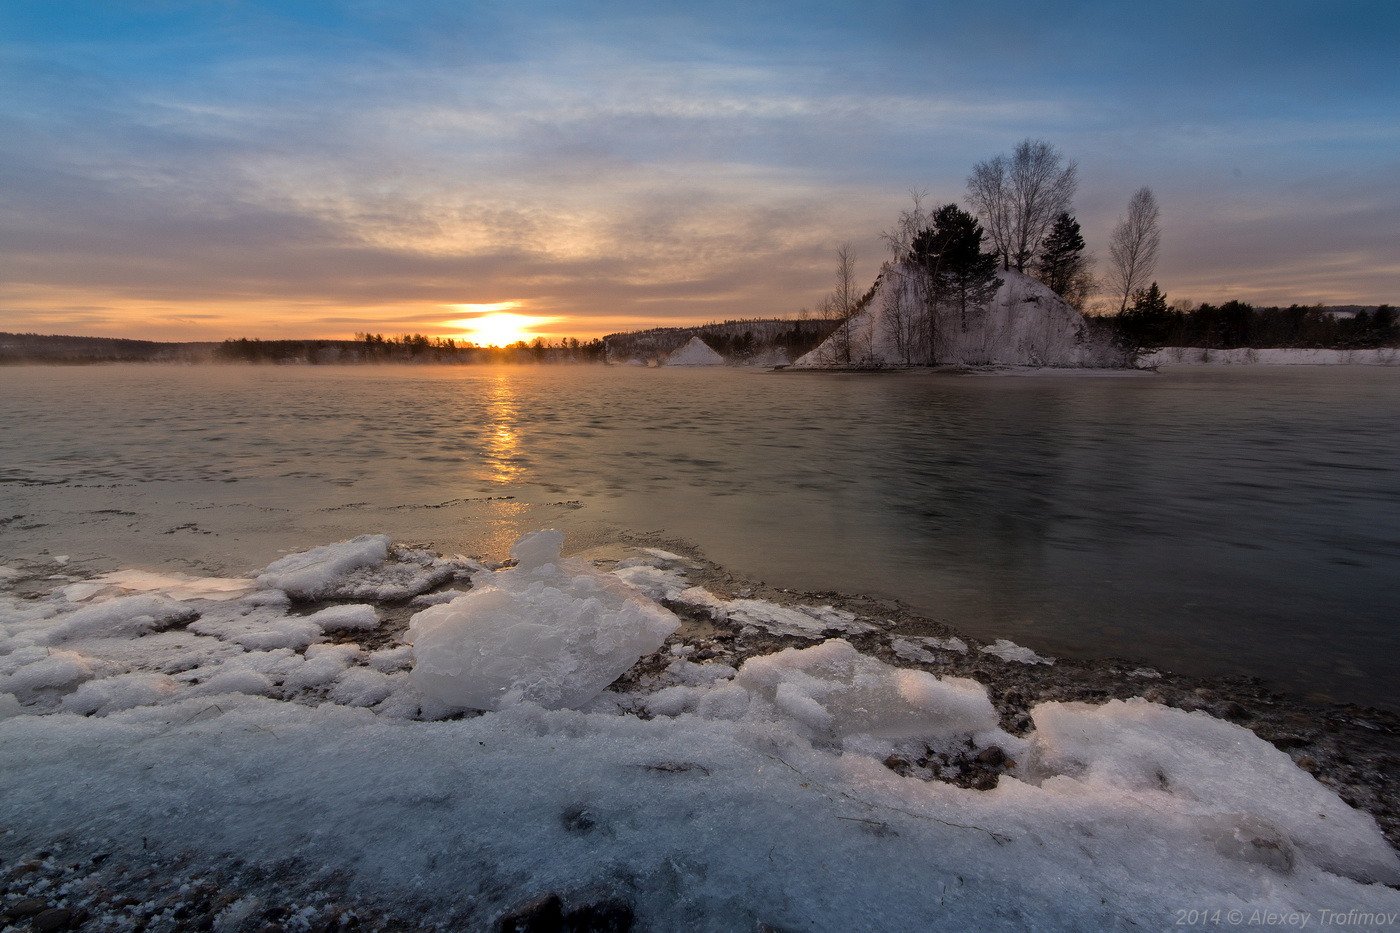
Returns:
point(499, 328)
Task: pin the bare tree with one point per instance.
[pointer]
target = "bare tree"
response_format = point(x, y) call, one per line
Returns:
point(1132, 249)
point(1018, 198)
point(911, 288)
point(840, 305)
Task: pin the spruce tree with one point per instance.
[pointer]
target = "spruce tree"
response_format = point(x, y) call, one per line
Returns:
point(1149, 302)
point(1061, 260)
point(950, 251)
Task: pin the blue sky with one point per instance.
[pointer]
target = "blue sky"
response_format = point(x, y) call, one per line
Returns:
point(188, 170)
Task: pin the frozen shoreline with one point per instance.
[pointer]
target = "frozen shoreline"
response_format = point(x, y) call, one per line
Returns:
point(1292, 356)
point(230, 722)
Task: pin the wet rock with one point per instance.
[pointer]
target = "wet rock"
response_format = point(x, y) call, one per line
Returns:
point(603, 917)
point(991, 757)
point(578, 821)
point(27, 907)
point(1286, 740)
point(547, 915)
point(1229, 709)
point(543, 915)
point(52, 920)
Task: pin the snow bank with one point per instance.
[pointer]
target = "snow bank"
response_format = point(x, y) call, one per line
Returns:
point(549, 631)
point(343, 762)
point(1284, 356)
point(1252, 800)
point(696, 352)
point(1025, 324)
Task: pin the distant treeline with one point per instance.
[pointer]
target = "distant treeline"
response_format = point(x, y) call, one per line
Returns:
point(365, 348)
point(60, 348)
point(406, 348)
point(1150, 323)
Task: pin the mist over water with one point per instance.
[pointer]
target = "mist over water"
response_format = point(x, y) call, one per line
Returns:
point(1207, 521)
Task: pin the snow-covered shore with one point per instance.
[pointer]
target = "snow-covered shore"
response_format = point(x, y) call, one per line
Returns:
point(1294, 356)
point(798, 764)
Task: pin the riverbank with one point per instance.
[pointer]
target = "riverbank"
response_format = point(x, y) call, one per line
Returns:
point(252, 754)
point(1282, 356)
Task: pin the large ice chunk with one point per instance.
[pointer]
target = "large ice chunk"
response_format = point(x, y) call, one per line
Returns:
point(836, 692)
point(316, 573)
point(549, 631)
point(125, 616)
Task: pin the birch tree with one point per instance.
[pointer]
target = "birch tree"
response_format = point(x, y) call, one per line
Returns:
point(1019, 196)
point(1133, 247)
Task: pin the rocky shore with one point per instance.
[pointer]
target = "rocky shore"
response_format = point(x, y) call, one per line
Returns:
point(71, 882)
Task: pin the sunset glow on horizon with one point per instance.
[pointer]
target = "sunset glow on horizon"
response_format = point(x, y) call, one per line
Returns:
point(501, 328)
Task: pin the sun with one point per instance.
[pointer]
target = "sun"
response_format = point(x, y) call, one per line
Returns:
point(494, 326)
point(499, 329)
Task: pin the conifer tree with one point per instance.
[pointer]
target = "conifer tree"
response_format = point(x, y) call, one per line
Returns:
point(1062, 262)
point(950, 252)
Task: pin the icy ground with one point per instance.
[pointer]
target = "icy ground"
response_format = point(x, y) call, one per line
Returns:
point(321, 720)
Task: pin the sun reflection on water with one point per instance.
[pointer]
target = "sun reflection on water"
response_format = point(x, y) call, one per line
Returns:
point(502, 440)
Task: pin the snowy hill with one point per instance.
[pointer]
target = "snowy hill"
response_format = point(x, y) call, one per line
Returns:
point(694, 353)
point(1025, 324)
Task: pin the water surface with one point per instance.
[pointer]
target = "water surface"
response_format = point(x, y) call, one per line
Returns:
point(1208, 521)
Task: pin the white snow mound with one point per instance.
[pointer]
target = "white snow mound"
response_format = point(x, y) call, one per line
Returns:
point(549, 631)
point(1251, 798)
point(695, 353)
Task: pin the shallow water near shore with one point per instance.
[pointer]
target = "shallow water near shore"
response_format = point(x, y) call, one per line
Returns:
point(1205, 521)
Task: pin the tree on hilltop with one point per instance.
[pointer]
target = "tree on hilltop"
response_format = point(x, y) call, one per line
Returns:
point(1019, 196)
point(950, 253)
point(1063, 266)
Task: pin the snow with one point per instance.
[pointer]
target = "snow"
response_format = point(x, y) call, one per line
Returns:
point(548, 631)
point(1208, 768)
point(1282, 356)
point(317, 573)
point(921, 650)
point(123, 691)
point(751, 795)
point(837, 692)
point(799, 621)
point(1010, 651)
point(696, 352)
point(259, 629)
point(356, 617)
point(33, 671)
point(1025, 324)
point(126, 615)
point(172, 586)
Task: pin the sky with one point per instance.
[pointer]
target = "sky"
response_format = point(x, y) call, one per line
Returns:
point(189, 171)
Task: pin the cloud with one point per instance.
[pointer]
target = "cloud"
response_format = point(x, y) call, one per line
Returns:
point(291, 171)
